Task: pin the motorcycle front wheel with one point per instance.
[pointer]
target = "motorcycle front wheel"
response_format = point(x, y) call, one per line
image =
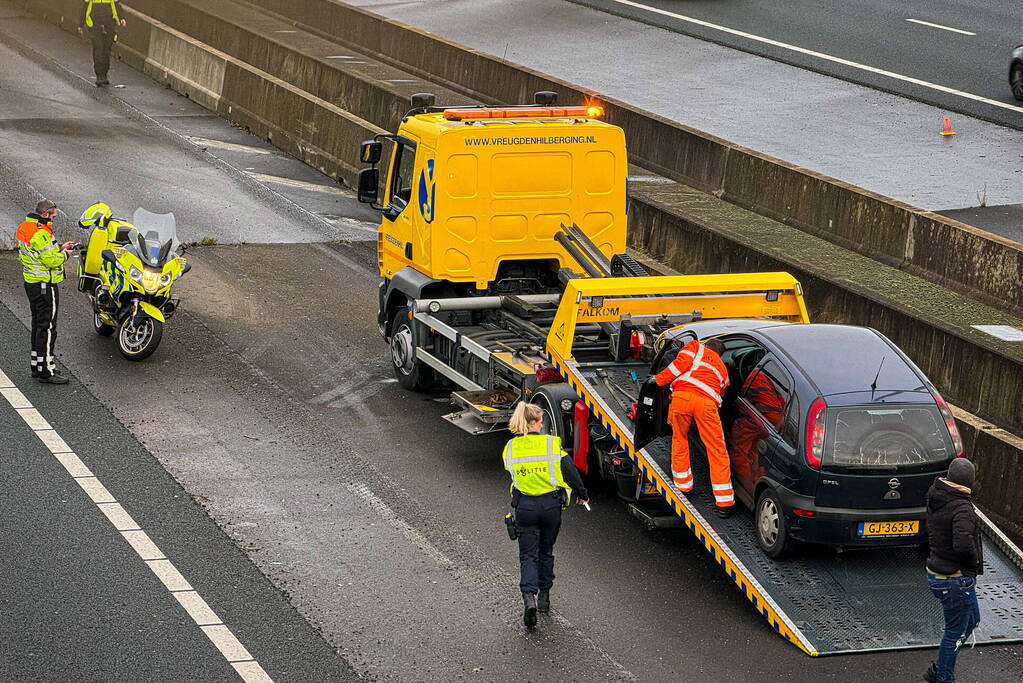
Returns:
point(138, 342)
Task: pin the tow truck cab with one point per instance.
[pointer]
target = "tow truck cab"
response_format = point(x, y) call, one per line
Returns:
point(474, 196)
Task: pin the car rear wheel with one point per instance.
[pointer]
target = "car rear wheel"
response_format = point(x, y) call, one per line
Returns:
point(1016, 81)
point(772, 530)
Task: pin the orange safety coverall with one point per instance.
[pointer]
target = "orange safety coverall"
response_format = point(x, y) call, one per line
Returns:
point(698, 377)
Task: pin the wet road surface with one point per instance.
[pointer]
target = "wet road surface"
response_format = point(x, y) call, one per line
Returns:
point(330, 499)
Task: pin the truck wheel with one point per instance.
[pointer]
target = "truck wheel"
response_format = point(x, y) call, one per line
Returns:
point(412, 373)
point(772, 530)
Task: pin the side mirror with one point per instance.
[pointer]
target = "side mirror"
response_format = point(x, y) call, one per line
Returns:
point(185, 268)
point(108, 255)
point(370, 152)
point(369, 182)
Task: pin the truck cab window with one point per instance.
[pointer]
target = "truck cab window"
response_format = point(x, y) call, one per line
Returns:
point(401, 181)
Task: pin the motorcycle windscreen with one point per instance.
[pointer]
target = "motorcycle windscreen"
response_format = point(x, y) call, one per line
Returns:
point(158, 236)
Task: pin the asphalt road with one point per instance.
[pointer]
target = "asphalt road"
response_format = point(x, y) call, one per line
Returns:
point(963, 46)
point(878, 141)
point(335, 500)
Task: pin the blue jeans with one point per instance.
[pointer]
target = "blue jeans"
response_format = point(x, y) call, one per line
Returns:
point(958, 597)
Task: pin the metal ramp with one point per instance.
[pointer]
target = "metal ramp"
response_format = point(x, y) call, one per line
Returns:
point(822, 601)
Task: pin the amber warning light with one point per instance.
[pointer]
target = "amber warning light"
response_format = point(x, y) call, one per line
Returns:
point(591, 112)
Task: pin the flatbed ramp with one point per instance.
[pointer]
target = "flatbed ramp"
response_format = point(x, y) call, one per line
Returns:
point(824, 602)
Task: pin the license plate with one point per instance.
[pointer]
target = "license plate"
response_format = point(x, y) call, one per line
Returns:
point(907, 528)
point(649, 488)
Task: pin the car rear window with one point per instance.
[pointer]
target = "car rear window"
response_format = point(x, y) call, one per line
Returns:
point(902, 438)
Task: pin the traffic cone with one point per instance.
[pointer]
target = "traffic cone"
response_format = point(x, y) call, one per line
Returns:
point(946, 126)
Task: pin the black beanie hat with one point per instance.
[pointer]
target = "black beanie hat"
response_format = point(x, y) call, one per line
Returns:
point(962, 472)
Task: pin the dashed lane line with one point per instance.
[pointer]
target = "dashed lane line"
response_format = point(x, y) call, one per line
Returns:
point(819, 55)
point(943, 28)
point(197, 608)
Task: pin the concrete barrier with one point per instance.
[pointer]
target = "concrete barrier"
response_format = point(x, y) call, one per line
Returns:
point(972, 261)
point(689, 230)
point(310, 128)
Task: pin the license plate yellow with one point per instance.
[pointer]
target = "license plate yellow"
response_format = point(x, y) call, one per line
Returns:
point(905, 528)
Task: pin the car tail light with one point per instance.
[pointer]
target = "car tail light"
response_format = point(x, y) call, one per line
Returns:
point(950, 423)
point(815, 433)
point(800, 512)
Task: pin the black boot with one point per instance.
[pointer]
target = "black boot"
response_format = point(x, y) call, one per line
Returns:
point(529, 612)
point(725, 513)
point(53, 378)
point(543, 601)
point(931, 676)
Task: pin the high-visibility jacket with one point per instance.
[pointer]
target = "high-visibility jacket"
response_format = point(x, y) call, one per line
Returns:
point(88, 11)
point(696, 368)
point(534, 462)
point(42, 259)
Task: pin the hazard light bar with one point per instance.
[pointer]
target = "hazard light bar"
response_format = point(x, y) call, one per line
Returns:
point(590, 111)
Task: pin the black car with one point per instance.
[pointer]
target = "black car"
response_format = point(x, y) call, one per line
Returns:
point(1016, 72)
point(834, 434)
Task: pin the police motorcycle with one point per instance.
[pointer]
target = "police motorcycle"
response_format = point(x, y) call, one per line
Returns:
point(127, 272)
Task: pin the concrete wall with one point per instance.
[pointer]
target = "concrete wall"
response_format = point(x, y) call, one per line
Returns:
point(310, 128)
point(946, 251)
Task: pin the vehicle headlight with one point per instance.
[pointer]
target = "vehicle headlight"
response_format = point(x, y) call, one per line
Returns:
point(150, 280)
point(165, 280)
point(135, 274)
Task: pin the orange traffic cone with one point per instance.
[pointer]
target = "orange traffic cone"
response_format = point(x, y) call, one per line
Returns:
point(946, 126)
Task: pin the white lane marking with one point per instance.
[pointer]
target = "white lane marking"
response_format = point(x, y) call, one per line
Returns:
point(339, 57)
point(229, 646)
point(202, 614)
point(117, 515)
point(403, 527)
point(251, 672)
point(15, 397)
point(301, 184)
point(169, 575)
point(95, 490)
point(73, 464)
point(52, 439)
point(33, 419)
point(225, 641)
point(943, 28)
point(143, 545)
point(820, 55)
point(229, 146)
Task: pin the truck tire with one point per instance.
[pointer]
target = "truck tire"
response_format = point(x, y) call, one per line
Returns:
point(411, 373)
point(772, 529)
point(556, 421)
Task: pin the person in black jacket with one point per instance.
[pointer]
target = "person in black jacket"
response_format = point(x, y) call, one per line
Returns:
point(955, 560)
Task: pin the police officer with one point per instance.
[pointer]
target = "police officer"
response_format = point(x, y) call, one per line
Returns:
point(42, 263)
point(101, 19)
point(542, 474)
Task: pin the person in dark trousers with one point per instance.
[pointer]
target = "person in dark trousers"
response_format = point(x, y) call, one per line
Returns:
point(955, 560)
point(542, 474)
point(100, 18)
point(42, 265)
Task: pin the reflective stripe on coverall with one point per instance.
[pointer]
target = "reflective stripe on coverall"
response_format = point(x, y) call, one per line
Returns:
point(42, 259)
point(698, 378)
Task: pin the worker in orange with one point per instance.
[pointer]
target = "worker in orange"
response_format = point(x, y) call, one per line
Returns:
point(698, 378)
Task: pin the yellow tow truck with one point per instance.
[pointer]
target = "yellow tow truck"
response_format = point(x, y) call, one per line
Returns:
point(504, 276)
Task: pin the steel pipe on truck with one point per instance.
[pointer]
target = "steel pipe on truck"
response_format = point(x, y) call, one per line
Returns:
point(477, 303)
